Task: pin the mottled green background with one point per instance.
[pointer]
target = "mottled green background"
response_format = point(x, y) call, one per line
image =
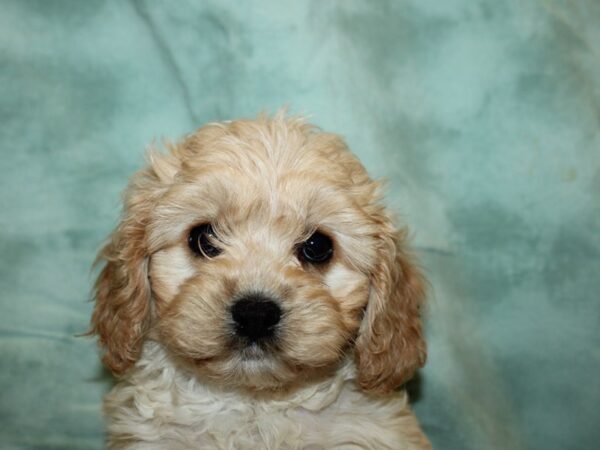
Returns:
point(483, 114)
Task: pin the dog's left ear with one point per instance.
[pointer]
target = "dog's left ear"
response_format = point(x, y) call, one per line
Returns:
point(390, 346)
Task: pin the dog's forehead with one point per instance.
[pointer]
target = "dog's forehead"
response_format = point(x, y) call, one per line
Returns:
point(227, 194)
point(290, 167)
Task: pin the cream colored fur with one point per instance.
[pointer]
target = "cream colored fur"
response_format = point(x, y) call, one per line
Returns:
point(159, 406)
point(350, 331)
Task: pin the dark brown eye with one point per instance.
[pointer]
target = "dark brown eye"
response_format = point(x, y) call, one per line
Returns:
point(317, 249)
point(201, 241)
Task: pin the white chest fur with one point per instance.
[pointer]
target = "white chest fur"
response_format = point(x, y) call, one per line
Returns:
point(158, 406)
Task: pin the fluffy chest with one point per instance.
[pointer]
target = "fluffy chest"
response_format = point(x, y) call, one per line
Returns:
point(160, 408)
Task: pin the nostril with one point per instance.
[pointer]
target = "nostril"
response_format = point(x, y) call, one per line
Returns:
point(255, 317)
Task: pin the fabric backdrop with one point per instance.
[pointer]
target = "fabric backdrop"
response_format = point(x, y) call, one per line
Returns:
point(483, 114)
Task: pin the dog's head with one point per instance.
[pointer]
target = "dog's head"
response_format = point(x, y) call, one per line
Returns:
point(258, 252)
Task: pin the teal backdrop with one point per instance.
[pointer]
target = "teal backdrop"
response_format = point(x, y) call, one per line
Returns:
point(483, 115)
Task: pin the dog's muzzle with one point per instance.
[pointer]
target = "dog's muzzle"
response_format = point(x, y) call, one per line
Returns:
point(255, 318)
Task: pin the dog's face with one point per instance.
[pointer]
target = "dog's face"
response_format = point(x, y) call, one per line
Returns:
point(258, 253)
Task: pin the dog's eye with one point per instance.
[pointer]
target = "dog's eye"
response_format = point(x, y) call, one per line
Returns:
point(317, 249)
point(201, 241)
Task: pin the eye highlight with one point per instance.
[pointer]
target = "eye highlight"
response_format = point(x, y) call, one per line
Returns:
point(201, 239)
point(317, 249)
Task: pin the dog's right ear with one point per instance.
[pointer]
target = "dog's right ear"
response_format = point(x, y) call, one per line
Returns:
point(122, 290)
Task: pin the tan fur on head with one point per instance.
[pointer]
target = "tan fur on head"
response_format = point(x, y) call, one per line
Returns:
point(265, 185)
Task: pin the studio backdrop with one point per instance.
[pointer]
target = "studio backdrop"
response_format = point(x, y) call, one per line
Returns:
point(484, 116)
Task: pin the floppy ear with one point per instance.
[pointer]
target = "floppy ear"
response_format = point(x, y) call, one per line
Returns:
point(122, 295)
point(390, 345)
point(122, 290)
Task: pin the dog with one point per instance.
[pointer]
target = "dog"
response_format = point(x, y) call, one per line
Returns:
point(256, 294)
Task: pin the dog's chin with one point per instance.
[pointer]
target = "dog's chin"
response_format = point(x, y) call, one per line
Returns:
point(255, 368)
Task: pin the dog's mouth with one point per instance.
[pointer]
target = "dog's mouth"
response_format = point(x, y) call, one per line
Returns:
point(253, 366)
point(254, 352)
point(257, 366)
point(245, 352)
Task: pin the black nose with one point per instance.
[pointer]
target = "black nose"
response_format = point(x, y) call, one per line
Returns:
point(255, 317)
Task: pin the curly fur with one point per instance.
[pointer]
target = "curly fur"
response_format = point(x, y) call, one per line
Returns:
point(350, 333)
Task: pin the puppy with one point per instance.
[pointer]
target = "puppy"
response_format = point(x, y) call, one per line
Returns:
point(256, 295)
